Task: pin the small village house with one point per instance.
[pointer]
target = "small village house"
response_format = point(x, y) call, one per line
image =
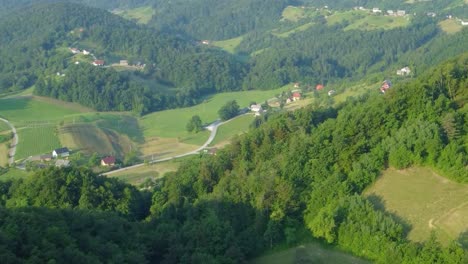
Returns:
point(376, 10)
point(98, 63)
point(123, 63)
point(108, 161)
point(256, 109)
point(85, 52)
point(75, 50)
point(296, 96)
point(61, 153)
point(390, 12)
point(205, 42)
point(331, 92)
point(404, 71)
point(319, 87)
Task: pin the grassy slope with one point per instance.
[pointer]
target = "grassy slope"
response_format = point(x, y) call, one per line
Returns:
point(4, 154)
point(14, 174)
point(362, 20)
point(235, 127)
point(308, 253)
point(153, 171)
point(425, 200)
point(228, 45)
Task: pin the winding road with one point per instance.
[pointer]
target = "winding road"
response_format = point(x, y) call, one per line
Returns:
point(12, 151)
point(213, 127)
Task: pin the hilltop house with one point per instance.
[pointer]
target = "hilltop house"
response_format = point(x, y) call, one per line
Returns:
point(108, 161)
point(61, 152)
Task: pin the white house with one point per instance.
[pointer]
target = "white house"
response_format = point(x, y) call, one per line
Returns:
point(256, 109)
point(376, 10)
point(390, 12)
point(401, 12)
point(404, 71)
point(464, 23)
point(85, 52)
point(61, 152)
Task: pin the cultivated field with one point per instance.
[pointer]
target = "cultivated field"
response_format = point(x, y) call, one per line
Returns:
point(425, 200)
point(309, 253)
point(36, 140)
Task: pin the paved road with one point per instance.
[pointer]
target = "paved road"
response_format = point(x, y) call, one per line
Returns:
point(14, 143)
point(212, 127)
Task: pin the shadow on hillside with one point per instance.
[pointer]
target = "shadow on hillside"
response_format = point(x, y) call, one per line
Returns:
point(379, 204)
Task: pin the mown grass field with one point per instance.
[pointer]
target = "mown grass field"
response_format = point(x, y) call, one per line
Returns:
point(141, 15)
point(171, 123)
point(309, 253)
point(36, 140)
point(362, 20)
point(235, 127)
point(293, 31)
point(450, 26)
point(153, 171)
point(229, 45)
point(425, 200)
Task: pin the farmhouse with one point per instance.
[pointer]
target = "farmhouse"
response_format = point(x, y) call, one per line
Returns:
point(296, 96)
point(256, 109)
point(376, 10)
point(61, 152)
point(108, 161)
point(62, 163)
point(404, 71)
point(331, 92)
point(98, 63)
point(85, 52)
point(319, 87)
point(123, 63)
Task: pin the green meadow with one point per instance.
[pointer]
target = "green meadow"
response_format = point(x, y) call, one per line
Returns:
point(362, 20)
point(171, 123)
point(235, 127)
point(141, 15)
point(229, 45)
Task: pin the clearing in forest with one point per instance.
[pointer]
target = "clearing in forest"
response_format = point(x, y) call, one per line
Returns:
point(424, 200)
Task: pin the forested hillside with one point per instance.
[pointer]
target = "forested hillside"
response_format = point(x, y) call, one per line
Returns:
point(32, 53)
point(293, 171)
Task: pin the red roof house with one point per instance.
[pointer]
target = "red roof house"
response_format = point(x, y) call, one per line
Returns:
point(296, 96)
point(98, 63)
point(319, 87)
point(108, 161)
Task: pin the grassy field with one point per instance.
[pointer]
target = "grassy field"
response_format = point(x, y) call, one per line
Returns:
point(425, 200)
point(158, 148)
point(4, 127)
point(36, 140)
point(235, 127)
point(32, 109)
point(141, 15)
point(450, 26)
point(362, 20)
point(309, 253)
point(229, 45)
point(171, 123)
point(153, 171)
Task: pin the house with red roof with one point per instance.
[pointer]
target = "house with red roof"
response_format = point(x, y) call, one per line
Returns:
point(296, 96)
point(319, 87)
point(108, 161)
point(98, 63)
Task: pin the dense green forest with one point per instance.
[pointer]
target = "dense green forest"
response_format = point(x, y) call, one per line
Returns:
point(293, 171)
